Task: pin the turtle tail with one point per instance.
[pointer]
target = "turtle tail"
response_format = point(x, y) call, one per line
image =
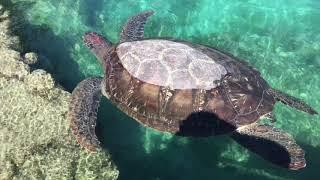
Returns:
point(292, 101)
point(82, 113)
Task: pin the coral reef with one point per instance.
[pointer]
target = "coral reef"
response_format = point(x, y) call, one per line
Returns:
point(7, 40)
point(36, 142)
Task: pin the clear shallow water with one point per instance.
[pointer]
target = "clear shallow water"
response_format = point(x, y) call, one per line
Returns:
point(281, 38)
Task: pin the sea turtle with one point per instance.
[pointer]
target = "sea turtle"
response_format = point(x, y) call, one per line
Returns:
point(183, 88)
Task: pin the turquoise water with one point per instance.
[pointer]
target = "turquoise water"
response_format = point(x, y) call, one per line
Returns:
point(281, 38)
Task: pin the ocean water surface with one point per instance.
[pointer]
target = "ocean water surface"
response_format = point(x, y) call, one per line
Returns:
point(281, 38)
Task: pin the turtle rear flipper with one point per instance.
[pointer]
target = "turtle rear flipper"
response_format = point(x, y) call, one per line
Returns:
point(292, 101)
point(134, 28)
point(83, 112)
point(272, 144)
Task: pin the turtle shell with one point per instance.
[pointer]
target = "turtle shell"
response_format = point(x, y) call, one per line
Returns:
point(185, 88)
point(172, 64)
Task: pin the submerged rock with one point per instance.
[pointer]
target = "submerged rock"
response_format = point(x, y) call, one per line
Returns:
point(30, 58)
point(36, 142)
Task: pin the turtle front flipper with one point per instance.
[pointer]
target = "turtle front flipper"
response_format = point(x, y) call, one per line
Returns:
point(272, 144)
point(134, 28)
point(292, 101)
point(83, 112)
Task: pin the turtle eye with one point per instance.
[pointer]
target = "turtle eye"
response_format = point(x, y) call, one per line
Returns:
point(89, 45)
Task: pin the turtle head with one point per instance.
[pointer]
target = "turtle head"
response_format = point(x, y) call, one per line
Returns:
point(98, 45)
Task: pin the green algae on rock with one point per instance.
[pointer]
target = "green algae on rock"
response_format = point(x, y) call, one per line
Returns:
point(36, 142)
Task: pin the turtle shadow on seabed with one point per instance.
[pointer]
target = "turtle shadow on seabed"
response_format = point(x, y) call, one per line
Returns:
point(204, 124)
point(52, 50)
